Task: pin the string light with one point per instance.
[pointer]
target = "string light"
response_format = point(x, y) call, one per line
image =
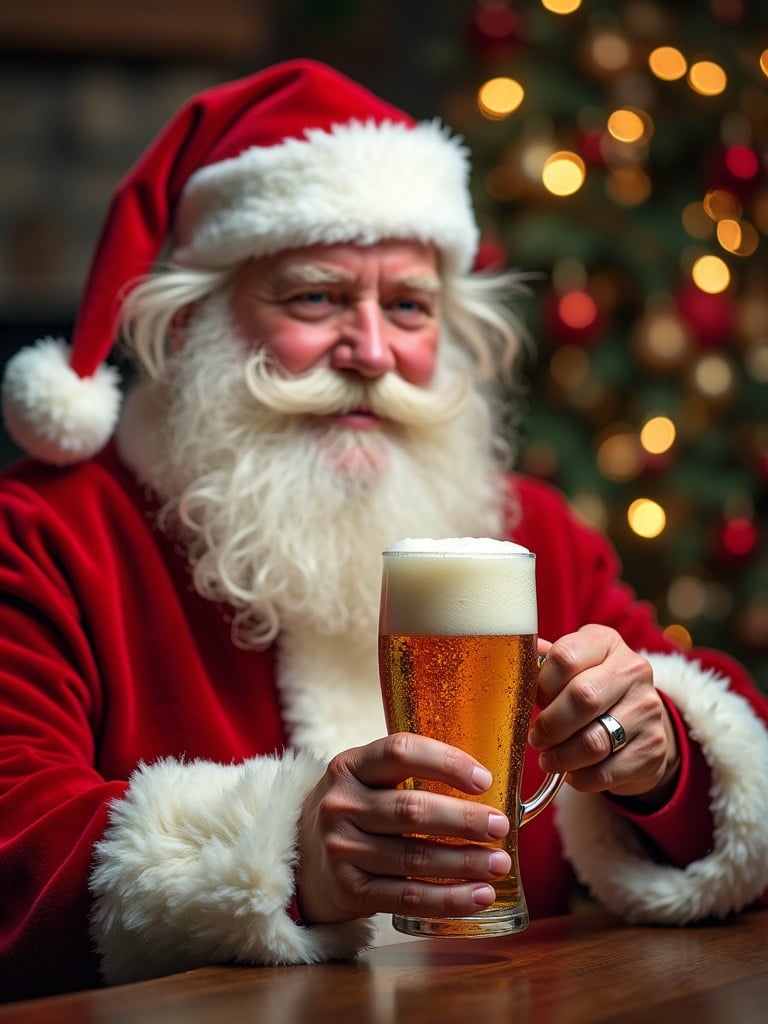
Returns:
point(737, 237)
point(720, 204)
point(563, 173)
point(686, 597)
point(764, 62)
point(679, 635)
point(707, 78)
point(626, 125)
point(667, 63)
point(646, 518)
point(610, 50)
point(711, 274)
point(713, 376)
point(658, 435)
point(618, 456)
point(569, 367)
point(628, 186)
point(499, 97)
point(561, 6)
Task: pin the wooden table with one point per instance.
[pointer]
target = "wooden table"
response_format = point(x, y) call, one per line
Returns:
point(583, 969)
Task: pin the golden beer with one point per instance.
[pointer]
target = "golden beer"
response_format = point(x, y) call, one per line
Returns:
point(458, 662)
point(466, 691)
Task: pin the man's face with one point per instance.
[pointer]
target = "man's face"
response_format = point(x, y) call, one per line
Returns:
point(360, 310)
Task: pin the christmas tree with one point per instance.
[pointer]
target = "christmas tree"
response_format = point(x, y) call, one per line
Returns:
point(620, 154)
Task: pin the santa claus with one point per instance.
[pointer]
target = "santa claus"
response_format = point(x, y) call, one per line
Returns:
point(195, 761)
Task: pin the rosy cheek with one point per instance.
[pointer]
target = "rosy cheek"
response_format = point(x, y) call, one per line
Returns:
point(416, 363)
point(297, 351)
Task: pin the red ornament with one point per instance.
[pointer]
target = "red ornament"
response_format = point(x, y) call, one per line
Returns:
point(735, 542)
point(591, 147)
point(737, 169)
point(494, 30)
point(574, 317)
point(711, 318)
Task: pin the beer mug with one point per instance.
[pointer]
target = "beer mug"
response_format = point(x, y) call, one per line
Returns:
point(458, 662)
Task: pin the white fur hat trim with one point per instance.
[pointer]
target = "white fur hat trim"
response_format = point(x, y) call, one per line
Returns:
point(358, 182)
point(53, 413)
point(606, 851)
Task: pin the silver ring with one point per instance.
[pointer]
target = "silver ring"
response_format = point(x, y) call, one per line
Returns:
point(615, 731)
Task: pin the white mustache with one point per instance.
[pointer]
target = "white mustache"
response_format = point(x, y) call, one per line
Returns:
point(326, 392)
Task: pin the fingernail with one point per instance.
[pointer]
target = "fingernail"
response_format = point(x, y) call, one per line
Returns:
point(483, 896)
point(481, 778)
point(498, 825)
point(499, 863)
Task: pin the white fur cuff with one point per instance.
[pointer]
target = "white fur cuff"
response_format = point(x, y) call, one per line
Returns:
point(606, 852)
point(196, 867)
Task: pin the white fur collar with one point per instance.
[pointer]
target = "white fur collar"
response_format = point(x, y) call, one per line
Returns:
point(330, 691)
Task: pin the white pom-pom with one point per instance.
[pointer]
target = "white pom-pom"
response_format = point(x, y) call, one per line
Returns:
point(51, 412)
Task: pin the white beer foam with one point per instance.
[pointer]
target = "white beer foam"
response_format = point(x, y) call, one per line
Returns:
point(460, 586)
point(457, 545)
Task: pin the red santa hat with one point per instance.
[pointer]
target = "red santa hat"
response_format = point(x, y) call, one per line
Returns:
point(291, 156)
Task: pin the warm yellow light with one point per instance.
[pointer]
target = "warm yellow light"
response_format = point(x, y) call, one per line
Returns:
point(610, 50)
point(618, 457)
point(658, 435)
point(707, 78)
point(738, 237)
point(646, 518)
point(500, 97)
point(764, 62)
point(563, 173)
point(628, 186)
point(711, 274)
point(667, 63)
point(720, 204)
point(626, 125)
point(569, 367)
point(679, 635)
point(713, 376)
point(664, 338)
point(561, 6)
point(687, 597)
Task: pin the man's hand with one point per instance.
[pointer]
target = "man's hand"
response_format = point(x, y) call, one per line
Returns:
point(590, 673)
point(366, 846)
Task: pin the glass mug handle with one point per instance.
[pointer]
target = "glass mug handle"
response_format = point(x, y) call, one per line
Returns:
point(546, 792)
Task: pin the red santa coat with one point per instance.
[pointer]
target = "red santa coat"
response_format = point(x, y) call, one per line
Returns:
point(150, 780)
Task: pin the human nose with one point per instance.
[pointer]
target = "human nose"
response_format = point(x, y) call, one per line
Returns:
point(363, 345)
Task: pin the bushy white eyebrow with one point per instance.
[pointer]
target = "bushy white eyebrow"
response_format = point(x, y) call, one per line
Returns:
point(311, 273)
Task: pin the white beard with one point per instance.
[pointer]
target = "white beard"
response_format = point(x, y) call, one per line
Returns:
point(285, 519)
